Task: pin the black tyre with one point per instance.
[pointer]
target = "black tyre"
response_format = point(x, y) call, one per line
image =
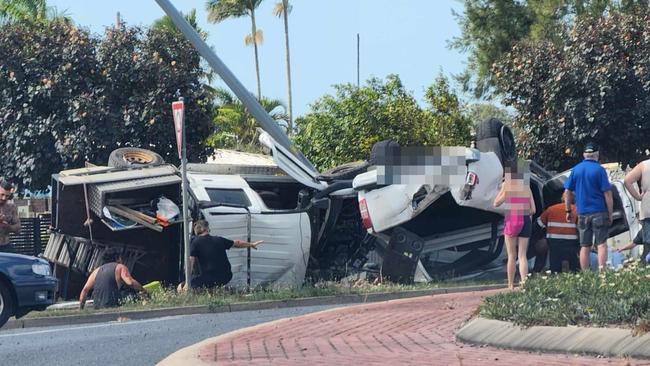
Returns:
point(132, 156)
point(6, 304)
point(381, 149)
point(345, 171)
point(493, 135)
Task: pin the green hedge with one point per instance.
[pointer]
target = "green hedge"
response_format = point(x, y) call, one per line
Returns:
point(613, 297)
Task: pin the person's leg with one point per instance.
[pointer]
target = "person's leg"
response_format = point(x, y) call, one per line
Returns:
point(586, 240)
point(522, 247)
point(645, 239)
point(585, 252)
point(180, 288)
point(511, 250)
point(555, 256)
point(541, 253)
point(572, 257)
point(601, 232)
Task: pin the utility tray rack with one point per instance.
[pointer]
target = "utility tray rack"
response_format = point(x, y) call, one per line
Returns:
point(82, 255)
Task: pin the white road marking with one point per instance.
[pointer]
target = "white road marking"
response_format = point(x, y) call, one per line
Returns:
point(83, 327)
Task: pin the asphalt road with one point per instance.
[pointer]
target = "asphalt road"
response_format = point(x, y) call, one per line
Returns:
point(142, 342)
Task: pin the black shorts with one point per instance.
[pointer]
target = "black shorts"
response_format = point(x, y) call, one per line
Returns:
point(593, 228)
point(527, 229)
point(643, 236)
point(202, 281)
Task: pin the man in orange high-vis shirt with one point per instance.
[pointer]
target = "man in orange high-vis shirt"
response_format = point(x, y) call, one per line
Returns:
point(562, 236)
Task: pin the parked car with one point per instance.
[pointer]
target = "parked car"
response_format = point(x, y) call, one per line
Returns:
point(26, 284)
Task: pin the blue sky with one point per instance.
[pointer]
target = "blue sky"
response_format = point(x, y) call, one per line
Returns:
point(407, 37)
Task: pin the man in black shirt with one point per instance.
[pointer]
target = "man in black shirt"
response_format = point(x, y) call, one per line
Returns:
point(210, 251)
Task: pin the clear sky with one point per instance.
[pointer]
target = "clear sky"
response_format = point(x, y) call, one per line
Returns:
point(407, 37)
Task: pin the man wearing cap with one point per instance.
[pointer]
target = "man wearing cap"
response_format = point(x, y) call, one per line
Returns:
point(589, 183)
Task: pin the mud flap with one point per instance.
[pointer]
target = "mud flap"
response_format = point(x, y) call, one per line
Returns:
point(402, 256)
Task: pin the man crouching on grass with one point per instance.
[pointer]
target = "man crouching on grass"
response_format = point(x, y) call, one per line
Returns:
point(107, 282)
point(210, 251)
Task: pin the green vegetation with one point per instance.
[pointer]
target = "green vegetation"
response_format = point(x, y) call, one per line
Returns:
point(343, 127)
point(70, 96)
point(594, 86)
point(282, 9)
point(615, 297)
point(235, 128)
point(169, 298)
point(220, 10)
point(490, 28)
point(27, 11)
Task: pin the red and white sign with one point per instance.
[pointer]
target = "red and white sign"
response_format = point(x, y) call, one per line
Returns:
point(178, 109)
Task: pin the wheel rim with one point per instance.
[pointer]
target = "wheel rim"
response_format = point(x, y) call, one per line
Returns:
point(138, 157)
point(2, 304)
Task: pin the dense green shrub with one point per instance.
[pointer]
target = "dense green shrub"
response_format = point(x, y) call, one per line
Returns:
point(594, 85)
point(68, 96)
point(618, 297)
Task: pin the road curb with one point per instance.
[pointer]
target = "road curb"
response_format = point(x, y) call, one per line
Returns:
point(245, 306)
point(610, 342)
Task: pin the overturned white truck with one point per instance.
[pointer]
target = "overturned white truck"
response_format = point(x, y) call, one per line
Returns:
point(319, 225)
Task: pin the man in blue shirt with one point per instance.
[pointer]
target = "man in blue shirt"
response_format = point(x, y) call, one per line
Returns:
point(594, 204)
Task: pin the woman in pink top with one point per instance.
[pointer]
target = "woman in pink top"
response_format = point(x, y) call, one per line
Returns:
point(515, 193)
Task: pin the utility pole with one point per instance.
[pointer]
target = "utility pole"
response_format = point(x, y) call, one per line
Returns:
point(358, 60)
point(178, 109)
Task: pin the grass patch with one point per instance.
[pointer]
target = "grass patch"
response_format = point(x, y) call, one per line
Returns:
point(168, 297)
point(618, 297)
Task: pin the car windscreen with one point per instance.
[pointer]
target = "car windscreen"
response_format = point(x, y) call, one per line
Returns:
point(236, 197)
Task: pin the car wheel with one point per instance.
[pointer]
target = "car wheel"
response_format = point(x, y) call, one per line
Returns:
point(6, 304)
point(132, 156)
point(493, 135)
point(344, 172)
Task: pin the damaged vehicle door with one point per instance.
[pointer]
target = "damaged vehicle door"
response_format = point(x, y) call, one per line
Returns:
point(235, 211)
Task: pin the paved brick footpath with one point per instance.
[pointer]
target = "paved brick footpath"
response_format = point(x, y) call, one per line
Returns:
point(417, 331)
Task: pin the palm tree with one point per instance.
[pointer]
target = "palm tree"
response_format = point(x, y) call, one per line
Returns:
point(27, 10)
point(235, 127)
point(220, 10)
point(165, 24)
point(282, 9)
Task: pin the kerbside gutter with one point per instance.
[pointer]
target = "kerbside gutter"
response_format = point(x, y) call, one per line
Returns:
point(267, 123)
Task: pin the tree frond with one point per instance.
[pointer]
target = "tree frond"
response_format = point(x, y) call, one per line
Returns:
point(259, 38)
point(223, 96)
point(220, 10)
point(278, 9)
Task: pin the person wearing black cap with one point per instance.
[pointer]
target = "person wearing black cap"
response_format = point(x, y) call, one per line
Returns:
point(589, 183)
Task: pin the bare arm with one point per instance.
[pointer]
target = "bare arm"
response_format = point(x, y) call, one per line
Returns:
point(632, 177)
point(125, 276)
point(192, 264)
point(245, 244)
point(501, 196)
point(533, 208)
point(629, 245)
point(568, 198)
point(12, 223)
point(87, 287)
point(609, 200)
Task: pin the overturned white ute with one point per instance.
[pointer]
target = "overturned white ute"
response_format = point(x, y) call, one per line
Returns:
point(406, 213)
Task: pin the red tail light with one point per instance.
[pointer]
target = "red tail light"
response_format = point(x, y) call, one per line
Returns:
point(365, 215)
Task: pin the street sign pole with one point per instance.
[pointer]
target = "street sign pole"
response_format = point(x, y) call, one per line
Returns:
point(178, 109)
